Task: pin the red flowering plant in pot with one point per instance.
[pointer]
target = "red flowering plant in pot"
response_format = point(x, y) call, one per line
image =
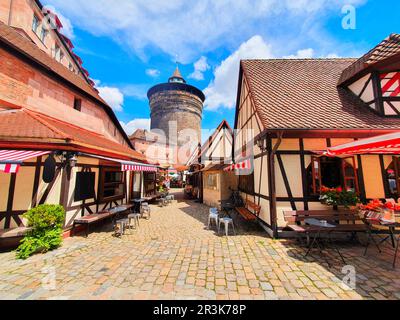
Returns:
point(377, 212)
point(338, 197)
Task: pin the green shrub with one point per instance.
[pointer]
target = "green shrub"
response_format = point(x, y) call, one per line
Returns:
point(46, 222)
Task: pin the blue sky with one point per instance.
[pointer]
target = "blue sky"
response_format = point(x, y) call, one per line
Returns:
point(130, 46)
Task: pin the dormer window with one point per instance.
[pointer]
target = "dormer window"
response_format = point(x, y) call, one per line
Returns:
point(375, 78)
point(35, 23)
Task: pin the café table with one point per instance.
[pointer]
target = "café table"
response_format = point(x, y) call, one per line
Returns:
point(322, 227)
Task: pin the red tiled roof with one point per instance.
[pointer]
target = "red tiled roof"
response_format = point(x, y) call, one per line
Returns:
point(22, 125)
point(303, 94)
point(388, 48)
point(18, 42)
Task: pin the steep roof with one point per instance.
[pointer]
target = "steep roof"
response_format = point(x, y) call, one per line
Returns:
point(387, 49)
point(20, 125)
point(14, 40)
point(303, 94)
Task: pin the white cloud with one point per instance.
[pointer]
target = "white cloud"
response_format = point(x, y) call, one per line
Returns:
point(221, 92)
point(301, 54)
point(154, 73)
point(67, 29)
point(135, 124)
point(200, 66)
point(113, 96)
point(190, 28)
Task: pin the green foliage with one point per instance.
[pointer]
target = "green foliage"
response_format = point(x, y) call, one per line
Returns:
point(46, 222)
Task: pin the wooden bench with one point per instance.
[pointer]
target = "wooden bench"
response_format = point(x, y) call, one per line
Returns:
point(346, 221)
point(10, 238)
point(250, 211)
point(97, 217)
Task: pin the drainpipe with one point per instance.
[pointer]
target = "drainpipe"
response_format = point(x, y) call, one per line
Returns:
point(10, 12)
point(273, 185)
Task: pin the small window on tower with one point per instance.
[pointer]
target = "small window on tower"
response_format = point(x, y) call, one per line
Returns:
point(77, 104)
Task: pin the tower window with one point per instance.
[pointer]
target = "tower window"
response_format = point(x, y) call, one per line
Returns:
point(77, 104)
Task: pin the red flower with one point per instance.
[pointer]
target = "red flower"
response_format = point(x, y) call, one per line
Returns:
point(339, 189)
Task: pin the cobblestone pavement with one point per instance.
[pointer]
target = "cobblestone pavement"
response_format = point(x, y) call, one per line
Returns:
point(174, 256)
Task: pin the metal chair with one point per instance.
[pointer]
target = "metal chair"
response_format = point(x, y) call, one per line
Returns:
point(120, 227)
point(145, 210)
point(135, 217)
point(227, 222)
point(213, 216)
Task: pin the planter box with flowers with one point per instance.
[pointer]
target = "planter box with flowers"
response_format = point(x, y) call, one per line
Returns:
point(377, 212)
point(338, 197)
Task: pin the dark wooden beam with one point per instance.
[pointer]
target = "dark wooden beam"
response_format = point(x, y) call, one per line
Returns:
point(36, 181)
point(384, 180)
point(361, 182)
point(303, 173)
point(286, 181)
point(10, 200)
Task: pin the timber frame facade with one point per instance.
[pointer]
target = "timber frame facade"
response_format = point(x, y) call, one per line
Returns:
point(287, 168)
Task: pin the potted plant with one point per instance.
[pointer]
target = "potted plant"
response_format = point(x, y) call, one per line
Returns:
point(378, 212)
point(338, 197)
point(46, 222)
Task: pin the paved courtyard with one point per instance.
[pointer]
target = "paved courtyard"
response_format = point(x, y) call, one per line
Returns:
point(174, 256)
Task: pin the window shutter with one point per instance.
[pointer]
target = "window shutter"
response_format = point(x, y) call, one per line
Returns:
point(349, 172)
point(316, 174)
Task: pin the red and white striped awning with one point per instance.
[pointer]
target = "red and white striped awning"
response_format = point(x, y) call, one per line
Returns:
point(138, 167)
point(11, 160)
point(384, 144)
point(243, 165)
point(127, 165)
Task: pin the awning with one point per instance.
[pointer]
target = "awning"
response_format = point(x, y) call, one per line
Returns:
point(385, 144)
point(127, 165)
point(243, 165)
point(11, 160)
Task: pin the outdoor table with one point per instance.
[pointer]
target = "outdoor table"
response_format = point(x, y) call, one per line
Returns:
point(391, 231)
point(137, 204)
point(118, 210)
point(322, 227)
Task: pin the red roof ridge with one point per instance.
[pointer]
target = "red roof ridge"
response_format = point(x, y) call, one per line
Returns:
point(42, 121)
point(304, 59)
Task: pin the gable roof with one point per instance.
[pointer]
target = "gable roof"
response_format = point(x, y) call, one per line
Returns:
point(388, 49)
point(12, 39)
point(204, 148)
point(20, 125)
point(303, 94)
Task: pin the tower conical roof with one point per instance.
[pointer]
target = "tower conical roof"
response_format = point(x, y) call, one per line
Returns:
point(177, 76)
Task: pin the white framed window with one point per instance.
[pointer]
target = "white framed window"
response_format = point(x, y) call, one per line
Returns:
point(35, 23)
point(43, 34)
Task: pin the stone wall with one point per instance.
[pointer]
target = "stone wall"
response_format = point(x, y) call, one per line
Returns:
point(180, 107)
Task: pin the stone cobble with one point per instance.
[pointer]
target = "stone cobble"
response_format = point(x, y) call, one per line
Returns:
point(174, 256)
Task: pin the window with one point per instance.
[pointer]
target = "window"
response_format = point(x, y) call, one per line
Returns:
point(212, 181)
point(84, 186)
point(58, 54)
point(35, 23)
point(393, 178)
point(77, 104)
point(43, 34)
point(246, 183)
point(331, 173)
point(112, 184)
point(136, 185)
point(149, 183)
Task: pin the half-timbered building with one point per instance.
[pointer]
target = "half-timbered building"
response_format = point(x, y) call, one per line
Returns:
point(289, 111)
point(60, 142)
point(211, 182)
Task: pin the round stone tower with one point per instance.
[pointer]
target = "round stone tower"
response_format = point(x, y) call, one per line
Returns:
point(175, 107)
